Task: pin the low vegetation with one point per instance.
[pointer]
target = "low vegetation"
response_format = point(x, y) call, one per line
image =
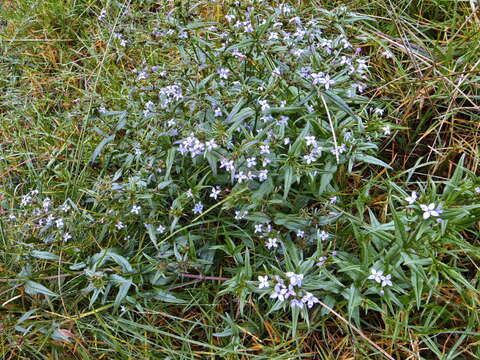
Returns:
point(239, 179)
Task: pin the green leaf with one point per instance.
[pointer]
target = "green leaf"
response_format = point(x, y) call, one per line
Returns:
point(34, 288)
point(288, 180)
point(235, 110)
point(417, 284)
point(212, 161)
point(354, 301)
point(152, 235)
point(168, 297)
point(327, 177)
point(264, 189)
point(372, 160)
point(163, 184)
point(101, 145)
point(337, 100)
point(400, 232)
point(26, 316)
point(120, 260)
point(45, 255)
point(124, 286)
point(169, 161)
point(240, 116)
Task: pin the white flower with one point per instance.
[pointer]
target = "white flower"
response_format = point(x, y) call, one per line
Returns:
point(135, 209)
point(198, 208)
point(248, 28)
point(241, 177)
point(264, 149)
point(273, 36)
point(59, 223)
point(323, 235)
point(429, 210)
point(311, 140)
point(339, 149)
point(321, 78)
point(295, 279)
point(272, 242)
point(46, 203)
point(296, 303)
point(67, 237)
point(286, 9)
point(412, 198)
point(298, 52)
point(321, 261)
point(386, 130)
point(102, 15)
point(309, 158)
point(280, 292)
point(26, 199)
point(376, 275)
point(149, 105)
point(299, 34)
point(387, 54)
point(227, 164)
point(263, 282)
point(142, 75)
point(317, 78)
point(189, 193)
point(310, 300)
point(238, 54)
point(295, 20)
point(239, 215)
point(119, 225)
point(215, 192)
point(262, 175)
point(327, 82)
point(386, 280)
point(300, 233)
point(160, 229)
point(264, 104)
point(210, 145)
point(251, 162)
point(218, 112)
point(477, 189)
point(223, 73)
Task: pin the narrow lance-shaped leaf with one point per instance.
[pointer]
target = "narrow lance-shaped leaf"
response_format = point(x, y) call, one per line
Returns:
point(34, 288)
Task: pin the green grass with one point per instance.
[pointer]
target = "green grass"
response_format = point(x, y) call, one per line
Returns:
point(58, 65)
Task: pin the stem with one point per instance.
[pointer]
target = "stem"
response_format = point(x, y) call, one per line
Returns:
point(331, 127)
point(202, 277)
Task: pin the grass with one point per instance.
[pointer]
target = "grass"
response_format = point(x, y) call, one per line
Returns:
point(59, 64)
